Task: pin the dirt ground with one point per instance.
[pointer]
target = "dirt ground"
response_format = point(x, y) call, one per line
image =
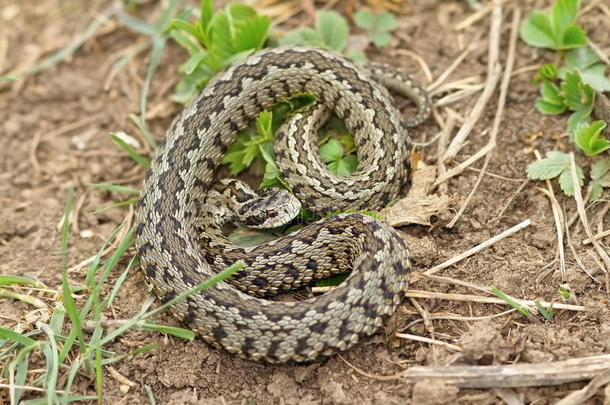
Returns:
point(54, 134)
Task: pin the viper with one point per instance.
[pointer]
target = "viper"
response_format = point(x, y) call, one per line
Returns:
point(182, 206)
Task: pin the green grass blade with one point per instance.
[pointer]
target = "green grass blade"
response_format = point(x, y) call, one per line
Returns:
point(120, 204)
point(147, 348)
point(69, 302)
point(206, 284)
point(52, 370)
point(182, 333)
point(9, 280)
point(510, 302)
point(145, 131)
point(113, 187)
point(7, 334)
point(127, 148)
point(117, 286)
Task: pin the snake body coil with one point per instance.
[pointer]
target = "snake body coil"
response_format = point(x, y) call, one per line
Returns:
point(176, 254)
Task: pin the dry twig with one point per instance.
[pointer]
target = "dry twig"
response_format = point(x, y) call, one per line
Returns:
point(513, 375)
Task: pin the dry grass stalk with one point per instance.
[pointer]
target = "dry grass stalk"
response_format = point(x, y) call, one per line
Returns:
point(493, 75)
point(491, 300)
point(510, 61)
point(580, 205)
point(423, 339)
point(475, 249)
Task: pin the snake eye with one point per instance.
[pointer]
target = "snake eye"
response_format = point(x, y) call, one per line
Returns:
point(270, 213)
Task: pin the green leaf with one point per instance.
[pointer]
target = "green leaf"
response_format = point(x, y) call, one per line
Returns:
point(537, 31)
point(302, 36)
point(563, 14)
point(251, 33)
point(207, 13)
point(595, 76)
point(332, 281)
point(589, 140)
point(573, 37)
point(185, 41)
point(550, 167)
point(365, 19)
point(380, 38)
point(565, 181)
point(263, 124)
point(193, 62)
point(577, 95)
point(331, 151)
point(600, 177)
point(385, 21)
point(548, 71)
point(356, 55)
point(580, 58)
point(548, 108)
point(344, 166)
point(550, 93)
point(576, 120)
point(333, 29)
point(180, 24)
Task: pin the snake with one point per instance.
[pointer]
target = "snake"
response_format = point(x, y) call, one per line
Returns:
point(183, 202)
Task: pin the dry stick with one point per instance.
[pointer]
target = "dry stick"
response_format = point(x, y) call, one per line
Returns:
point(559, 222)
point(493, 74)
point(431, 87)
point(513, 375)
point(458, 95)
point(577, 257)
point(442, 145)
point(491, 300)
point(582, 395)
point(474, 17)
point(476, 249)
point(597, 236)
point(580, 206)
point(423, 339)
point(454, 171)
point(510, 61)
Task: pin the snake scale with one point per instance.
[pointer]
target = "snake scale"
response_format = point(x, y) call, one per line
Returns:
point(177, 252)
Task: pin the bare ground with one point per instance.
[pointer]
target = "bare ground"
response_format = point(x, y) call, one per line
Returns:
point(54, 135)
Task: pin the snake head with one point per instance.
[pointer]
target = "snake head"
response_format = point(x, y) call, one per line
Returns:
point(271, 208)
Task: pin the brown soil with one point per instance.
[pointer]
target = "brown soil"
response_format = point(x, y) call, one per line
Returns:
point(54, 134)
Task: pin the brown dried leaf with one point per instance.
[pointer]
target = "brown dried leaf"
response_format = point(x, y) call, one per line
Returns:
point(417, 207)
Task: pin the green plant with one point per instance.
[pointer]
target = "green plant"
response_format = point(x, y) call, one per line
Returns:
point(600, 177)
point(377, 26)
point(556, 164)
point(82, 350)
point(555, 29)
point(588, 65)
point(331, 31)
point(214, 41)
point(589, 139)
point(571, 87)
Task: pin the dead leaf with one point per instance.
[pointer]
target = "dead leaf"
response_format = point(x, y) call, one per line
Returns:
point(417, 207)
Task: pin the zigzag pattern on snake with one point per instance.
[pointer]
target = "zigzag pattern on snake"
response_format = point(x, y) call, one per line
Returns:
point(177, 252)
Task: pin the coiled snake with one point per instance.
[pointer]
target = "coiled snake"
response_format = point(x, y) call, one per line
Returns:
point(178, 250)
